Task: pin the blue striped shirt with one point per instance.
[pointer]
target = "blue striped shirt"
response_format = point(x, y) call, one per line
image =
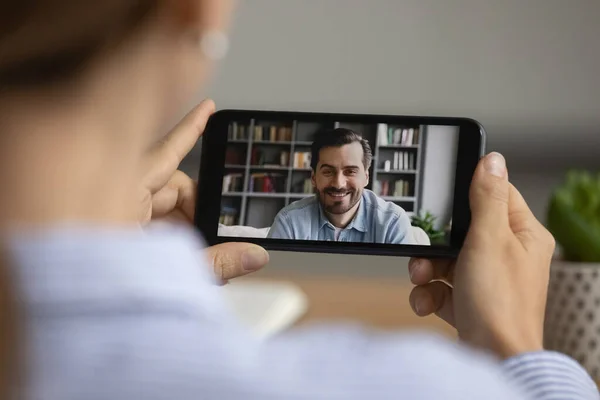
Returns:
point(127, 314)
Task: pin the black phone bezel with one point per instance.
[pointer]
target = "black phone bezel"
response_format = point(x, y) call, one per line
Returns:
point(471, 148)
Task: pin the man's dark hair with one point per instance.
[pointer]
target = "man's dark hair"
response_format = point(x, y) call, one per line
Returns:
point(337, 138)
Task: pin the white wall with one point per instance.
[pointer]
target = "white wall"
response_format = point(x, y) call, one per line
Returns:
point(528, 70)
point(439, 167)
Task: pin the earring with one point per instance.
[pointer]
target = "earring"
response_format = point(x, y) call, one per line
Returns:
point(214, 45)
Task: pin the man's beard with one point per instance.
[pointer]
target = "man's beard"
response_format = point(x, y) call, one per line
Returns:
point(352, 196)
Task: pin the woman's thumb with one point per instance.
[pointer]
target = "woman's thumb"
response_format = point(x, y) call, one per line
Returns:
point(489, 193)
point(231, 260)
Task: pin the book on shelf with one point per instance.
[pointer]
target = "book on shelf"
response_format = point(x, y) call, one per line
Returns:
point(233, 183)
point(228, 216)
point(237, 131)
point(257, 157)
point(284, 158)
point(394, 188)
point(260, 158)
point(402, 161)
point(308, 186)
point(266, 133)
point(267, 183)
point(272, 133)
point(302, 159)
point(235, 156)
point(401, 188)
point(303, 187)
point(387, 135)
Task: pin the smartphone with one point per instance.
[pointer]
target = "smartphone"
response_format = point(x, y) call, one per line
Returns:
point(338, 183)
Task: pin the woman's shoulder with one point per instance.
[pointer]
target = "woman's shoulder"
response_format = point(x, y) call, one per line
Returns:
point(85, 265)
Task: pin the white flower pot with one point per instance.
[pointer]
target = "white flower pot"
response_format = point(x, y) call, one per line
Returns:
point(572, 322)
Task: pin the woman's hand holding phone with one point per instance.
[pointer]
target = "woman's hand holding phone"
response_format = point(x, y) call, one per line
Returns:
point(494, 293)
point(168, 193)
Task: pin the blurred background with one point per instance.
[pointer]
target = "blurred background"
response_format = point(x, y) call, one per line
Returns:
point(529, 71)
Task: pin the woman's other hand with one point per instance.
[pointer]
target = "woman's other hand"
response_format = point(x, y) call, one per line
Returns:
point(168, 193)
point(495, 292)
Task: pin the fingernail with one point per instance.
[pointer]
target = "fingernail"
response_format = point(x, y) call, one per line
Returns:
point(413, 267)
point(254, 259)
point(420, 305)
point(495, 164)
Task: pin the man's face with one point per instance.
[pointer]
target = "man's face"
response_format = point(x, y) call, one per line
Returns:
point(340, 177)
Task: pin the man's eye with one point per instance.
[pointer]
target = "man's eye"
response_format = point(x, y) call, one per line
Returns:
point(351, 172)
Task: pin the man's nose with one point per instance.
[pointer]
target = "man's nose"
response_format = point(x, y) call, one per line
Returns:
point(339, 181)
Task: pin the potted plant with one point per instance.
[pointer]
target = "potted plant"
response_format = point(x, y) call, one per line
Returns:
point(572, 324)
point(426, 221)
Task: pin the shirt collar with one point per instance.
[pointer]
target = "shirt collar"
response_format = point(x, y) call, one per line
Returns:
point(358, 222)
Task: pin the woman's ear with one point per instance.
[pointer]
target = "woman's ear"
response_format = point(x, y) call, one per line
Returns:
point(196, 37)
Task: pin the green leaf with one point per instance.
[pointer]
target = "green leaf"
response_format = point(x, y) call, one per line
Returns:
point(574, 216)
point(426, 221)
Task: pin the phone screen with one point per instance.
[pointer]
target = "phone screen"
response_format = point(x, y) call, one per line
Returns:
point(372, 181)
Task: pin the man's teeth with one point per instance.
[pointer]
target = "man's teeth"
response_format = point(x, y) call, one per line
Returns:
point(337, 194)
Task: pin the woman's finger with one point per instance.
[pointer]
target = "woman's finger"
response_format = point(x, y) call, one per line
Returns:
point(164, 159)
point(522, 221)
point(423, 270)
point(179, 193)
point(433, 298)
point(231, 260)
point(489, 198)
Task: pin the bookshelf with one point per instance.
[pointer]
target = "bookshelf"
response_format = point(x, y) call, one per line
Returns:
point(267, 166)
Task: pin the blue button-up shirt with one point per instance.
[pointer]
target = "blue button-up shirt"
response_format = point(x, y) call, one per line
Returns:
point(376, 221)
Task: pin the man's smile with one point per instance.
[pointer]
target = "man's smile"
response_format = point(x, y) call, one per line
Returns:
point(338, 195)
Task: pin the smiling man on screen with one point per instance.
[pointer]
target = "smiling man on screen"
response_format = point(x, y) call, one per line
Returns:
point(342, 209)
